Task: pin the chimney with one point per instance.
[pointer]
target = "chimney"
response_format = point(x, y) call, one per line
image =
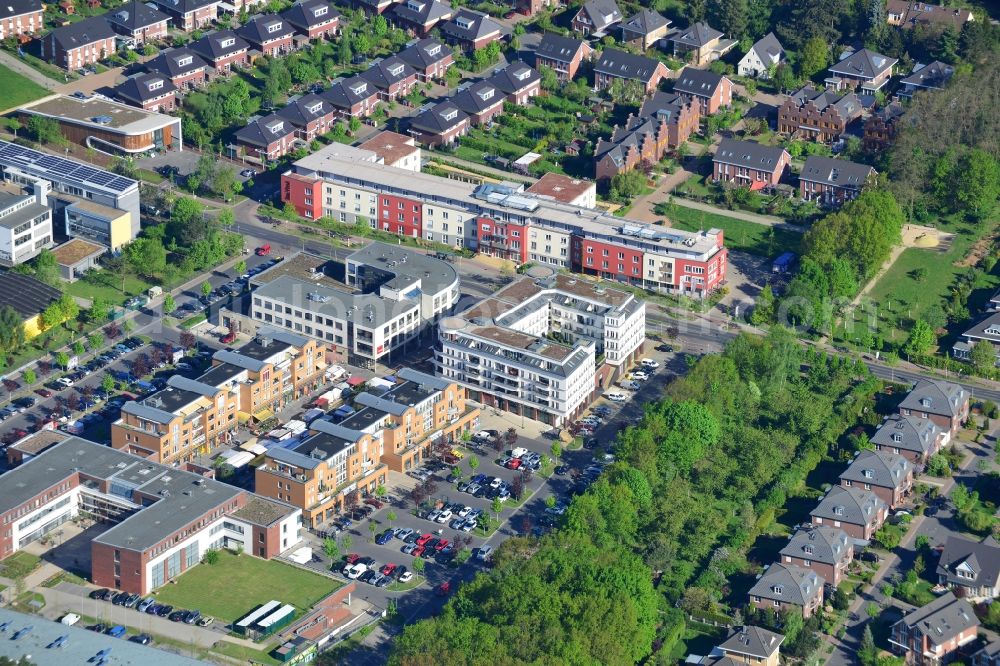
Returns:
point(41, 188)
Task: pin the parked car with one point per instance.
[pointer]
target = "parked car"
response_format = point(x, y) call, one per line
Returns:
point(384, 538)
point(616, 396)
point(649, 363)
point(354, 571)
point(142, 639)
point(664, 348)
point(205, 620)
point(117, 631)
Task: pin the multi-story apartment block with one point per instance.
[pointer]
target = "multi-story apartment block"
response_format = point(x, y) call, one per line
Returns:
point(865, 69)
point(944, 403)
point(149, 92)
point(858, 512)
point(713, 91)
point(481, 101)
point(183, 66)
point(664, 122)
point(223, 50)
point(314, 19)
point(888, 475)
point(826, 550)
point(190, 14)
point(310, 115)
point(531, 347)
point(749, 164)
point(833, 182)
point(25, 221)
point(818, 115)
point(971, 567)
point(21, 17)
point(350, 184)
point(352, 98)
point(164, 519)
point(615, 65)
point(267, 138)
point(79, 44)
point(470, 30)
point(572, 191)
point(786, 586)
point(914, 438)
point(269, 33)
point(700, 44)
point(440, 125)
point(429, 58)
point(139, 22)
point(392, 77)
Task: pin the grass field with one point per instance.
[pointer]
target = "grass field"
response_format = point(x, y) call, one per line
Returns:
point(740, 234)
point(19, 565)
point(16, 89)
point(235, 585)
point(106, 286)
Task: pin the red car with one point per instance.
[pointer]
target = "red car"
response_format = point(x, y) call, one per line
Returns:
point(228, 338)
point(263, 250)
point(514, 463)
point(388, 569)
point(443, 590)
point(45, 393)
point(441, 545)
point(374, 502)
point(418, 551)
point(424, 538)
point(352, 558)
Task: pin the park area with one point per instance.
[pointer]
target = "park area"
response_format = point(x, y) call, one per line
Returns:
point(236, 584)
point(16, 90)
point(741, 235)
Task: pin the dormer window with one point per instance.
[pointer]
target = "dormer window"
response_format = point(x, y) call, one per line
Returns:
point(359, 89)
point(434, 50)
point(451, 114)
point(896, 437)
point(808, 549)
point(155, 85)
point(274, 27)
point(276, 128)
point(868, 473)
point(925, 402)
point(228, 42)
point(778, 589)
point(396, 70)
point(463, 22)
point(838, 511)
point(315, 108)
point(185, 61)
point(522, 75)
point(486, 94)
point(415, 6)
point(320, 11)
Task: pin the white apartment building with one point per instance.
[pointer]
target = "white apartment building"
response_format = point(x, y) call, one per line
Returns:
point(25, 221)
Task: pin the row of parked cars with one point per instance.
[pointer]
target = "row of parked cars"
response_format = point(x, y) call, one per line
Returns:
point(150, 606)
point(490, 487)
point(366, 570)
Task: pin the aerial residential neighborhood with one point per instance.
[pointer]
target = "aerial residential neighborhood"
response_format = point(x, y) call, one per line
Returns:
point(409, 331)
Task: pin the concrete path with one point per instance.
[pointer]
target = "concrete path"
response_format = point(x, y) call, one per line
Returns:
point(475, 166)
point(746, 216)
point(8, 60)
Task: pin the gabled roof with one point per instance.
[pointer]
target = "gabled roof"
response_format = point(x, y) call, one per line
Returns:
point(847, 105)
point(439, 118)
point(219, 45)
point(907, 433)
point(788, 583)
point(310, 13)
point(424, 54)
point(265, 28)
point(645, 22)
point(176, 62)
point(753, 642)
point(627, 65)
point(980, 558)
point(136, 15)
point(265, 131)
point(602, 13)
point(387, 72)
point(936, 397)
point(935, 75)
point(663, 104)
point(515, 77)
point(699, 82)
point(468, 25)
point(849, 505)
point(836, 173)
point(910, 13)
point(13, 8)
point(184, 6)
point(559, 48)
point(479, 97)
point(87, 31)
point(423, 12)
point(878, 468)
point(623, 139)
point(769, 49)
point(749, 154)
point(306, 109)
point(863, 64)
point(697, 35)
point(144, 87)
point(345, 93)
point(827, 545)
point(942, 619)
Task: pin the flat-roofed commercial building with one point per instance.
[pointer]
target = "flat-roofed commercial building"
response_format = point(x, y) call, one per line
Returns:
point(533, 347)
point(107, 126)
point(164, 518)
point(25, 221)
point(70, 177)
point(96, 222)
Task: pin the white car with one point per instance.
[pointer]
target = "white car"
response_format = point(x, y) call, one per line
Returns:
point(406, 577)
point(465, 511)
point(403, 532)
point(616, 396)
point(484, 553)
point(629, 384)
point(519, 452)
point(65, 381)
point(649, 363)
point(591, 420)
point(444, 517)
point(354, 571)
point(482, 436)
point(639, 376)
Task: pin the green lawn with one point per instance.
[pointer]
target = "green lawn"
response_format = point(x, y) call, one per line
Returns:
point(233, 586)
point(102, 284)
point(245, 654)
point(740, 234)
point(19, 565)
point(16, 89)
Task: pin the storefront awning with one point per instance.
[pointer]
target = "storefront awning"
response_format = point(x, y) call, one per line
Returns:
point(242, 417)
point(263, 415)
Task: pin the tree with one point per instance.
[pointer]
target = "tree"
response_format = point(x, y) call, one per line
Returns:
point(224, 182)
point(187, 340)
point(330, 549)
point(390, 516)
point(496, 506)
point(45, 130)
point(98, 311)
point(168, 304)
point(626, 185)
point(95, 341)
point(418, 565)
point(556, 450)
point(78, 348)
point(62, 359)
point(729, 16)
point(206, 288)
point(240, 267)
point(763, 309)
point(921, 339)
point(29, 376)
point(473, 463)
point(982, 356)
point(977, 183)
point(12, 334)
point(46, 268)
point(51, 316)
point(147, 256)
point(815, 57)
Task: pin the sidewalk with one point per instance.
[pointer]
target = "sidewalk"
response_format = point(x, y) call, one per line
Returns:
point(756, 218)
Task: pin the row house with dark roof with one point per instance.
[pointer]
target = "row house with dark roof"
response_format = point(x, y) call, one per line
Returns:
point(139, 21)
point(788, 587)
point(700, 44)
point(933, 76)
point(880, 128)
point(21, 18)
point(184, 67)
point(150, 92)
point(313, 19)
point(482, 101)
point(747, 645)
point(936, 633)
point(421, 16)
point(563, 55)
point(596, 17)
point(310, 115)
point(267, 138)
point(713, 91)
point(826, 550)
point(470, 30)
point(971, 568)
point(440, 125)
point(645, 29)
point(189, 14)
point(914, 438)
point(909, 14)
point(518, 81)
point(888, 475)
point(392, 77)
point(818, 115)
point(375, 6)
point(944, 403)
point(833, 182)
point(79, 44)
point(352, 98)
point(269, 33)
point(615, 65)
point(223, 50)
point(860, 513)
point(429, 58)
point(863, 69)
point(749, 164)
point(988, 655)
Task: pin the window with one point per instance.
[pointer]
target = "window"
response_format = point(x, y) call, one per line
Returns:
point(274, 27)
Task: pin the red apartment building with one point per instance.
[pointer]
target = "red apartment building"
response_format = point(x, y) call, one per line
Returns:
point(268, 138)
point(355, 97)
point(620, 65)
point(440, 125)
point(665, 121)
point(818, 116)
point(392, 77)
point(429, 58)
point(182, 66)
point(833, 182)
point(223, 50)
point(139, 22)
point(563, 55)
point(749, 164)
point(190, 14)
point(79, 44)
point(270, 34)
point(943, 403)
point(311, 115)
point(21, 17)
point(505, 240)
point(314, 19)
point(150, 92)
point(713, 91)
point(935, 633)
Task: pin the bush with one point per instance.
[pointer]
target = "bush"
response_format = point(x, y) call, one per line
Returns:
point(938, 466)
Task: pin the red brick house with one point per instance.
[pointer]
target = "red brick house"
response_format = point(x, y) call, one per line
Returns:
point(818, 116)
point(936, 633)
point(783, 587)
point(645, 29)
point(352, 98)
point(223, 50)
point(596, 17)
point(269, 137)
point(182, 66)
point(79, 44)
point(190, 14)
point(749, 164)
point(914, 438)
point(482, 101)
point(440, 125)
point(944, 403)
point(887, 475)
point(375, 6)
point(826, 550)
point(21, 17)
point(620, 65)
point(713, 91)
point(665, 122)
point(470, 30)
point(270, 34)
point(139, 22)
point(314, 19)
point(421, 16)
point(833, 182)
point(858, 512)
point(151, 92)
point(429, 58)
point(862, 69)
point(518, 81)
point(310, 115)
point(562, 54)
point(392, 77)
